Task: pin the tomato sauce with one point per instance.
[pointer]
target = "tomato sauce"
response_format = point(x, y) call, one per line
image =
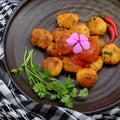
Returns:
point(87, 56)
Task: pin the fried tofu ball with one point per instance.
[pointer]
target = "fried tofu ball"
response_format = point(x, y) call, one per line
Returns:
point(58, 32)
point(67, 20)
point(86, 77)
point(41, 38)
point(80, 28)
point(53, 50)
point(111, 54)
point(69, 66)
point(63, 46)
point(97, 65)
point(97, 26)
point(53, 64)
point(100, 41)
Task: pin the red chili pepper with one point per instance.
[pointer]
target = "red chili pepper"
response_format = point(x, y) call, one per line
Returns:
point(111, 22)
point(112, 33)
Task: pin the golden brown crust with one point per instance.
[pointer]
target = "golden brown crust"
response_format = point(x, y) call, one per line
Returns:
point(53, 64)
point(66, 20)
point(97, 26)
point(111, 54)
point(69, 66)
point(54, 51)
point(80, 28)
point(63, 46)
point(86, 77)
point(58, 32)
point(97, 65)
point(100, 41)
point(41, 38)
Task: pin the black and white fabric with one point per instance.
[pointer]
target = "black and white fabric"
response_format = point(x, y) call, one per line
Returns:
point(16, 106)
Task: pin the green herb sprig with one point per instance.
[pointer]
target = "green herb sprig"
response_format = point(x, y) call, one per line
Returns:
point(45, 85)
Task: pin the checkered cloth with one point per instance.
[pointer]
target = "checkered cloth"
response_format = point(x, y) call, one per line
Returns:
point(15, 106)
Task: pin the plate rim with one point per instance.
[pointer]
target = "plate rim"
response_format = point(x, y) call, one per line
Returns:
point(4, 59)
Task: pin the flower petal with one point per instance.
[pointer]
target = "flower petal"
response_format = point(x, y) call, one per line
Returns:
point(83, 37)
point(84, 42)
point(70, 41)
point(85, 45)
point(75, 36)
point(77, 48)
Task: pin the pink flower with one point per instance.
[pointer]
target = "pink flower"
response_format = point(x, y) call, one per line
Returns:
point(79, 42)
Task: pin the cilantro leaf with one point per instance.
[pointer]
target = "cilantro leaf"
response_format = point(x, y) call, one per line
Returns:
point(45, 85)
point(83, 93)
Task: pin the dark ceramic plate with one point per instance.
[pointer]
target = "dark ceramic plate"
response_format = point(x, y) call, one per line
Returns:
point(42, 13)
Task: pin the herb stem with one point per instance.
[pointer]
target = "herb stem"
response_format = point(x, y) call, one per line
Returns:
point(43, 84)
